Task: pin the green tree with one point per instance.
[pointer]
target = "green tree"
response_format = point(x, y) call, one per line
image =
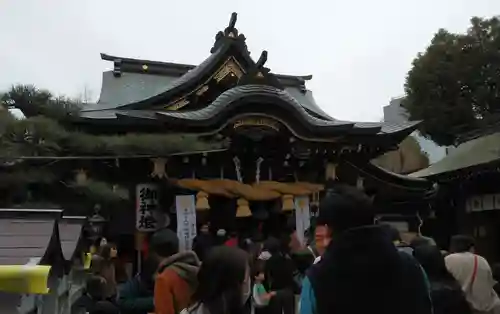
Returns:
point(454, 86)
point(43, 150)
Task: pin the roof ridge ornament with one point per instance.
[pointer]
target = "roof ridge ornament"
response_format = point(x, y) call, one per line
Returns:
point(230, 32)
point(262, 60)
point(261, 75)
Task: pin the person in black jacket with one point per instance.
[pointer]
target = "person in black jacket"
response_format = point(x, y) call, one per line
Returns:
point(446, 293)
point(361, 270)
point(203, 242)
point(279, 273)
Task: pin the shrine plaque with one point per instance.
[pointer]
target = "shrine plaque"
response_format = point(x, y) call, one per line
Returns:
point(257, 122)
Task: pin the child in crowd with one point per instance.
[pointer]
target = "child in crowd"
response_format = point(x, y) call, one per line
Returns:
point(104, 307)
point(260, 296)
point(94, 293)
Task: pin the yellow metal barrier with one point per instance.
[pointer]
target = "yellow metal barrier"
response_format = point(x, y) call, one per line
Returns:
point(24, 278)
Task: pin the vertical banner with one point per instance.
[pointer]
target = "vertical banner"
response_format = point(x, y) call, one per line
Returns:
point(302, 217)
point(186, 221)
point(147, 207)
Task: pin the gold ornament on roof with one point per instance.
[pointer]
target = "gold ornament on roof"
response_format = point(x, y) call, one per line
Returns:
point(202, 90)
point(230, 67)
point(256, 121)
point(177, 104)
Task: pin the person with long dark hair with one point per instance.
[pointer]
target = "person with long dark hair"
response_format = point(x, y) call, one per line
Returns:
point(203, 241)
point(361, 270)
point(104, 265)
point(446, 294)
point(224, 284)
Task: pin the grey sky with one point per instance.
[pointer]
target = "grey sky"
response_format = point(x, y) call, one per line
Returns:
point(358, 51)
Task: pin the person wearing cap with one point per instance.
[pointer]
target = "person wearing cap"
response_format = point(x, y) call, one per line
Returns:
point(221, 237)
point(361, 270)
point(176, 279)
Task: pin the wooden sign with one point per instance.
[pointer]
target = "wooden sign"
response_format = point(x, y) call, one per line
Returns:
point(147, 203)
point(257, 122)
point(479, 203)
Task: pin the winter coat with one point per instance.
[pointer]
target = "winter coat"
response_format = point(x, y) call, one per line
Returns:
point(105, 269)
point(136, 297)
point(363, 272)
point(280, 273)
point(202, 243)
point(176, 282)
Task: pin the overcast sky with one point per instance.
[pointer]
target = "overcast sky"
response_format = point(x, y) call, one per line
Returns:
point(357, 51)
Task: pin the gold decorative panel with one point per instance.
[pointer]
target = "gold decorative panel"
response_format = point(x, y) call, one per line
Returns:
point(178, 104)
point(255, 121)
point(202, 90)
point(230, 67)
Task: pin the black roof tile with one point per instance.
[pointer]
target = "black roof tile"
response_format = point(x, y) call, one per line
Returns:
point(70, 234)
point(24, 239)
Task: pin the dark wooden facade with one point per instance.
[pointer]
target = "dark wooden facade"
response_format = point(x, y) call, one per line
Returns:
point(468, 199)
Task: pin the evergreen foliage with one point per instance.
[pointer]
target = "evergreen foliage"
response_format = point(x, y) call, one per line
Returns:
point(454, 86)
point(33, 150)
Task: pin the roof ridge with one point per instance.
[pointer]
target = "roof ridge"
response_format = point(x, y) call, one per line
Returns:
point(177, 67)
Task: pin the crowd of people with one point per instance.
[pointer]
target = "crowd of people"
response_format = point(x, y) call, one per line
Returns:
point(350, 265)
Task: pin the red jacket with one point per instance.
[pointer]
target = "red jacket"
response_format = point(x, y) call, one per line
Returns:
point(175, 283)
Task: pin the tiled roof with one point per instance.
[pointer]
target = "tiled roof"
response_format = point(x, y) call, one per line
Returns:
point(239, 92)
point(70, 232)
point(24, 239)
point(476, 152)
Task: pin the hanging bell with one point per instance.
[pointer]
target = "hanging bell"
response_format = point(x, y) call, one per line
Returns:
point(243, 210)
point(202, 201)
point(287, 201)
